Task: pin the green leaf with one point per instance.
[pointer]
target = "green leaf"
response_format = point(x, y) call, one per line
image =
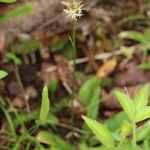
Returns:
point(87, 90)
point(54, 141)
point(114, 122)
point(101, 132)
point(126, 103)
point(146, 144)
point(92, 109)
point(141, 98)
point(8, 1)
point(147, 35)
point(53, 86)
point(45, 106)
point(133, 35)
point(58, 44)
point(68, 52)
point(143, 131)
point(13, 57)
point(128, 51)
point(10, 122)
point(89, 95)
point(126, 128)
point(143, 114)
point(144, 66)
point(3, 74)
point(17, 12)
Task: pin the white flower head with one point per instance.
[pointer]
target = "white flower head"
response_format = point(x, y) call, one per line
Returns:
point(74, 9)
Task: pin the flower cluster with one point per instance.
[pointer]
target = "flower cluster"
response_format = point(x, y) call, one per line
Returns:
point(74, 9)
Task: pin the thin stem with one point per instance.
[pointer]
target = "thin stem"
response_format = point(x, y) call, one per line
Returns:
point(74, 57)
point(134, 134)
point(21, 87)
point(121, 142)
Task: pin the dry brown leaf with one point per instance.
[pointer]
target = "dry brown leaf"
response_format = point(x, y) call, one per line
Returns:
point(131, 75)
point(18, 102)
point(104, 70)
point(64, 70)
point(47, 77)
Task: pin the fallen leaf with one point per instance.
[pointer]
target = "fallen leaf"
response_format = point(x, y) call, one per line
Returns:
point(104, 70)
point(45, 76)
point(131, 75)
point(18, 102)
point(64, 70)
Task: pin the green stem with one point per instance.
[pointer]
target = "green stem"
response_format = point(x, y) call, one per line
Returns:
point(134, 134)
point(74, 57)
point(121, 142)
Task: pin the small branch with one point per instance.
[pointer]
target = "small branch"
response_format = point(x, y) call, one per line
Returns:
point(103, 56)
point(67, 87)
point(21, 87)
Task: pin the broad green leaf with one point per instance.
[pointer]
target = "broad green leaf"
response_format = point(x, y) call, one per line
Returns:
point(8, 1)
point(143, 131)
point(133, 35)
point(45, 106)
point(3, 74)
point(141, 98)
point(68, 52)
point(143, 114)
point(146, 144)
point(126, 128)
point(54, 141)
point(93, 107)
point(115, 122)
point(87, 90)
point(101, 132)
point(89, 95)
point(126, 103)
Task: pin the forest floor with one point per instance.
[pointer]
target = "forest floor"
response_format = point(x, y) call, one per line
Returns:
point(35, 50)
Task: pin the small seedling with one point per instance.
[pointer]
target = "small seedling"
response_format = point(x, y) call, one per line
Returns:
point(45, 106)
point(136, 110)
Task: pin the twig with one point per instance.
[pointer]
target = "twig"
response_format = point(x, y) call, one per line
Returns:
point(21, 87)
point(103, 56)
point(67, 87)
